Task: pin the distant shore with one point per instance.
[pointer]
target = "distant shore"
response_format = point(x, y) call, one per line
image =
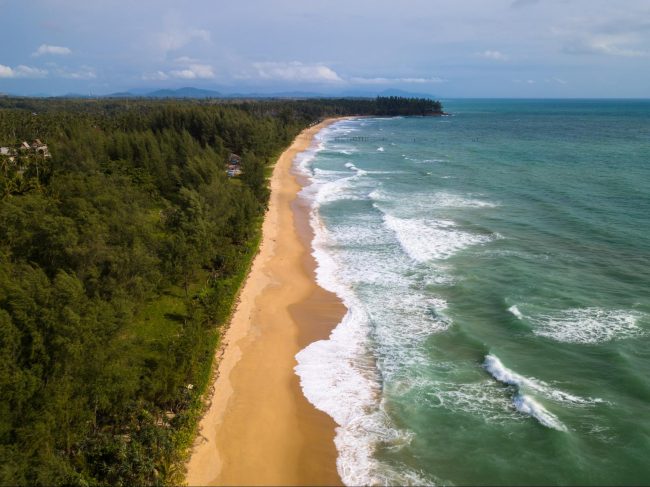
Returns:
point(259, 428)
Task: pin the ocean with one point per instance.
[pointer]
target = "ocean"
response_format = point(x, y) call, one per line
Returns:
point(496, 269)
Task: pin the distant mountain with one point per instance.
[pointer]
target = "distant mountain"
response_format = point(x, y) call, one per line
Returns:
point(186, 92)
point(189, 92)
point(199, 93)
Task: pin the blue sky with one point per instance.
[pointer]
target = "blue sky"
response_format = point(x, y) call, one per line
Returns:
point(461, 48)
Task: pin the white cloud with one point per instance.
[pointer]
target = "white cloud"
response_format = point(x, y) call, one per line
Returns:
point(194, 71)
point(6, 71)
point(190, 69)
point(381, 81)
point(493, 55)
point(21, 71)
point(53, 50)
point(320, 73)
point(296, 71)
point(183, 74)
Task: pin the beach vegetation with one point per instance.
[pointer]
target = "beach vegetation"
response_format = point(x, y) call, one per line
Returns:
point(121, 255)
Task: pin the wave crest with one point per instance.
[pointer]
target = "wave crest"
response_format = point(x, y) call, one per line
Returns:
point(525, 403)
point(425, 240)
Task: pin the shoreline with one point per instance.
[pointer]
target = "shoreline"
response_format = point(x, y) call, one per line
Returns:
point(259, 429)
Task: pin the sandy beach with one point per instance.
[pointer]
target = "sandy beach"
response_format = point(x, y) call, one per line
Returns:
point(259, 429)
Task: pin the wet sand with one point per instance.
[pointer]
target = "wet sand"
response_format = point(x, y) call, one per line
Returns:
point(259, 429)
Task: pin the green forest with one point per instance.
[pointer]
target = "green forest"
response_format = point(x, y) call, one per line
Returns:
point(123, 244)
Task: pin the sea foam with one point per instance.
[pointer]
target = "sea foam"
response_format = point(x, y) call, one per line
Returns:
point(588, 325)
point(515, 311)
point(335, 375)
point(427, 202)
point(340, 375)
point(424, 240)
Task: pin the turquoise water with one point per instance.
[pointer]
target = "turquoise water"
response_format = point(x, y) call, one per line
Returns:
point(496, 268)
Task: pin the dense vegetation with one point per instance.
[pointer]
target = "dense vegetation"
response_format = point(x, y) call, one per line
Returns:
point(394, 105)
point(120, 257)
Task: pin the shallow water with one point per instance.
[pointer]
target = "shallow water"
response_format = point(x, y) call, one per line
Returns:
point(496, 268)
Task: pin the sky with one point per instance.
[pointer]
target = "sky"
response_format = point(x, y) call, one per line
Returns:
point(447, 48)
